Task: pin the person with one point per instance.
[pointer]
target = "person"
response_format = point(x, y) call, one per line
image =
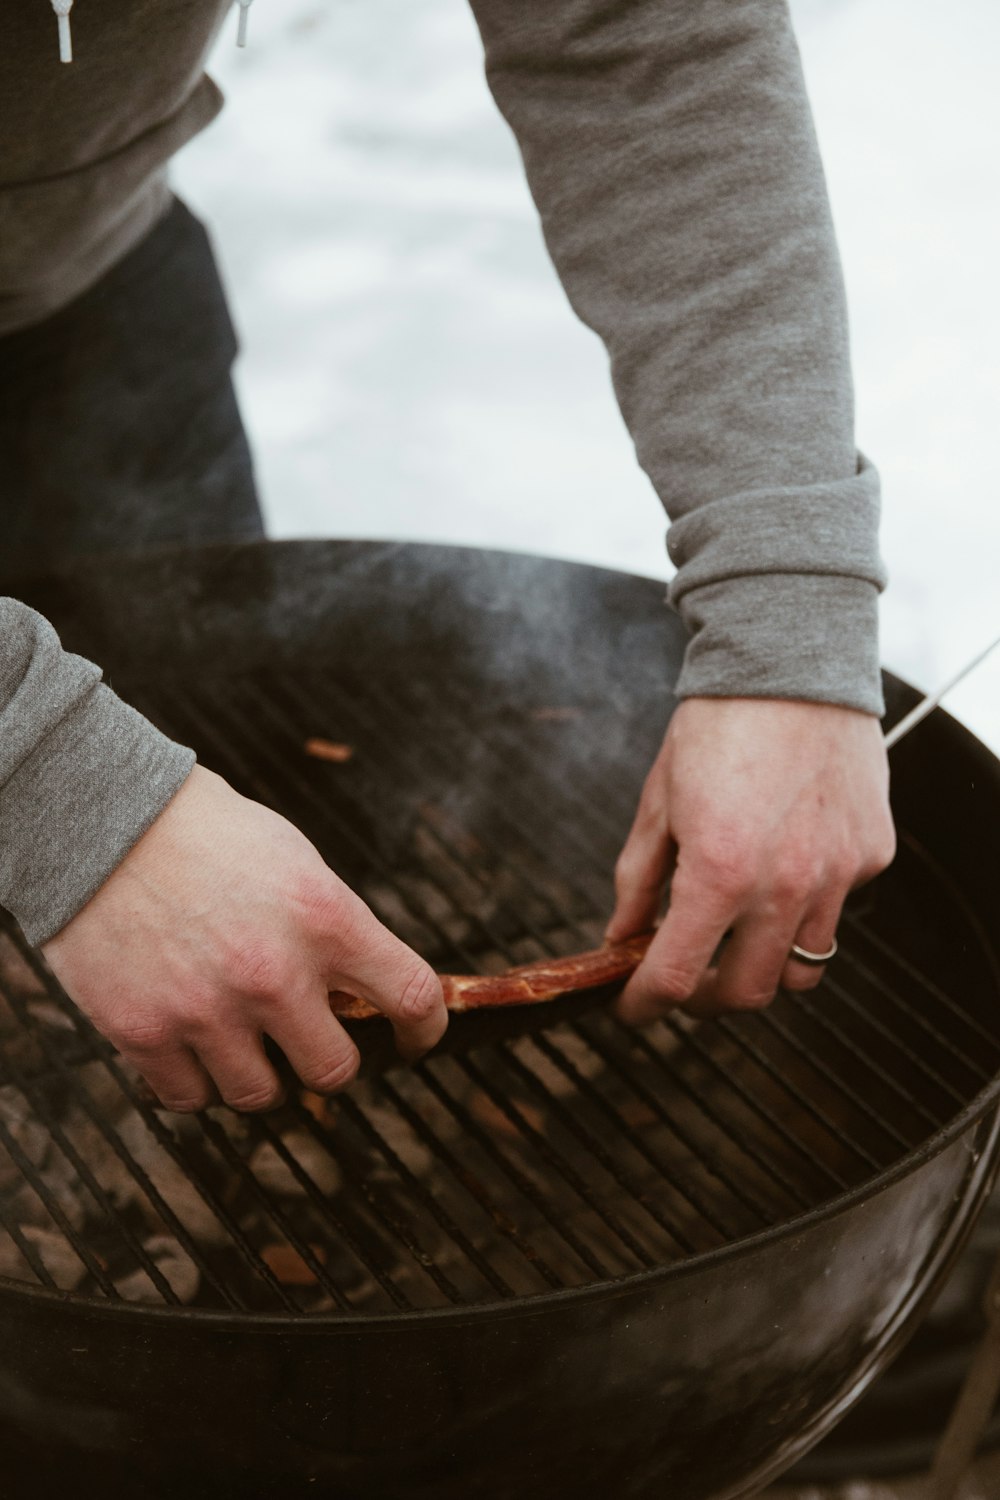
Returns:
point(671, 153)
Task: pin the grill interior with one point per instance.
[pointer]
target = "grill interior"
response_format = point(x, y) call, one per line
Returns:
point(484, 834)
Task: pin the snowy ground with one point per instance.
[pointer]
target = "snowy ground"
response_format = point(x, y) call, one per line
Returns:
point(411, 367)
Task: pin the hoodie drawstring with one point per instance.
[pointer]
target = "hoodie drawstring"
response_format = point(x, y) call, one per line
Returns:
point(241, 30)
point(62, 9)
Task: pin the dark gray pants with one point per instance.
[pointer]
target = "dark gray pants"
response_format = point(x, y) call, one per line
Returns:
point(119, 429)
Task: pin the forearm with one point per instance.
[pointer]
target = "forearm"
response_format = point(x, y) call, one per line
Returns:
point(82, 775)
point(671, 152)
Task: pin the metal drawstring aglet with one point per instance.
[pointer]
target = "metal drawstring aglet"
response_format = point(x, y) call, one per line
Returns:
point(62, 9)
point(241, 30)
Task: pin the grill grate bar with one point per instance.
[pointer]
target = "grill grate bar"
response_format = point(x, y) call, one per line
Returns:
point(521, 1181)
point(38, 1185)
point(916, 1015)
point(690, 1038)
point(677, 1080)
point(845, 1090)
point(430, 1203)
point(97, 1193)
point(216, 1137)
point(81, 1096)
point(606, 1052)
point(385, 756)
point(209, 734)
point(521, 830)
point(591, 1144)
point(261, 1131)
point(515, 755)
point(547, 1046)
point(832, 1029)
point(371, 1263)
point(26, 1246)
point(893, 956)
point(162, 1135)
point(425, 1261)
point(469, 1184)
point(554, 1158)
point(407, 760)
point(636, 1139)
point(837, 1133)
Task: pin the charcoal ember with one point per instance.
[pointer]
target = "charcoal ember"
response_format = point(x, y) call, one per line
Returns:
point(176, 1267)
point(172, 1183)
point(54, 1251)
point(274, 1173)
point(289, 1266)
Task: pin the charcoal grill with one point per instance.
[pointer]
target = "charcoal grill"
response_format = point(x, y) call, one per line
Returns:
point(583, 1260)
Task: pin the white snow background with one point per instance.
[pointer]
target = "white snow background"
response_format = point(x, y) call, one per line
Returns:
point(410, 364)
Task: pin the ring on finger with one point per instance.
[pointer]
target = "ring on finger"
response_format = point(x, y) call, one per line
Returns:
point(816, 960)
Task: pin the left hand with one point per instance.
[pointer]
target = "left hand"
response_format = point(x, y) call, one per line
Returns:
point(763, 814)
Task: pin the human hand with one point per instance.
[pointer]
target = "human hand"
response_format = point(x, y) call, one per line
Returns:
point(222, 926)
point(763, 814)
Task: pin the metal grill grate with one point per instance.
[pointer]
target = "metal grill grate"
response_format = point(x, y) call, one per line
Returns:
point(581, 1153)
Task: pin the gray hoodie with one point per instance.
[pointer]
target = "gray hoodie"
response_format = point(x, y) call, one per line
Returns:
point(671, 153)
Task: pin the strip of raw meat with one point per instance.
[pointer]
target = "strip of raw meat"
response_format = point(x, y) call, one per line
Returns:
point(546, 979)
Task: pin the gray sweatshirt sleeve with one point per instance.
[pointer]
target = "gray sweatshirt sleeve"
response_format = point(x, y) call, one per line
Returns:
point(670, 149)
point(82, 775)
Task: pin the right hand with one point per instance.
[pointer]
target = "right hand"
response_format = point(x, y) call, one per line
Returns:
point(221, 926)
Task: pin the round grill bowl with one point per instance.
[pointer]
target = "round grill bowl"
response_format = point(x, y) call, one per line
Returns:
point(578, 1260)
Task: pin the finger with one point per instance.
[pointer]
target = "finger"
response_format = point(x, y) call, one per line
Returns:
point(241, 1071)
point(176, 1077)
point(751, 966)
point(315, 1043)
point(815, 933)
point(641, 874)
point(393, 978)
point(680, 952)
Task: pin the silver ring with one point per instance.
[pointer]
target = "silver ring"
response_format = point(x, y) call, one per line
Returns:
point(805, 957)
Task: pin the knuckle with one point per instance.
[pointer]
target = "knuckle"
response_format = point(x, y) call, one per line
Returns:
point(255, 1098)
point(141, 1033)
point(796, 875)
point(322, 899)
point(879, 857)
point(329, 1077)
point(420, 996)
point(257, 968)
point(728, 867)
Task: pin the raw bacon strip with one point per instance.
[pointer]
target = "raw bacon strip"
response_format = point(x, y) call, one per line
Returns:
point(328, 750)
point(546, 979)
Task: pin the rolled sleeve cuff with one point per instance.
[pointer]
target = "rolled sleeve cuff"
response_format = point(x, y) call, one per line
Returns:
point(802, 636)
point(74, 809)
